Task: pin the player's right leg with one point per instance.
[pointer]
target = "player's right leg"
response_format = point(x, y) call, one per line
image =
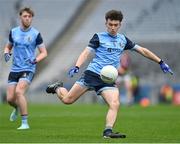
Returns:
point(14, 114)
point(67, 97)
point(51, 88)
point(11, 99)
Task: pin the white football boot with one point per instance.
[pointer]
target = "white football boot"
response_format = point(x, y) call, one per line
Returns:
point(23, 127)
point(14, 115)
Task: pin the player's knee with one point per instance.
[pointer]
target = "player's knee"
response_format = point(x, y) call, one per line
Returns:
point(67, 101)
point(18, 94)
point(10, 100)
point(114, 104)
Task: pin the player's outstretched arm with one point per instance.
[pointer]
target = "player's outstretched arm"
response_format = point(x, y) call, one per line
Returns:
point(150, 55)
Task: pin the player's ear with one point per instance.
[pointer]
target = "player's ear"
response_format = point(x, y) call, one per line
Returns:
point(119, 24)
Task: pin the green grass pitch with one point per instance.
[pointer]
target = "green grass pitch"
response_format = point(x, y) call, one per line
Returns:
point(85, 123)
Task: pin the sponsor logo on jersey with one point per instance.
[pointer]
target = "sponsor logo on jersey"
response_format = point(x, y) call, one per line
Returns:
point(114, 49)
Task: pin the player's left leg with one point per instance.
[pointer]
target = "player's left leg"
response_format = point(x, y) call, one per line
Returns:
point(22, 102)
point(111, 96)
point(11, 99)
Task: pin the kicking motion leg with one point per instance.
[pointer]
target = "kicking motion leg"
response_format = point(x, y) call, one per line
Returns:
point(67, 97)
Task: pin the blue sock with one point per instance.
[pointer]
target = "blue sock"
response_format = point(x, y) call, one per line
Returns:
point(24, 119)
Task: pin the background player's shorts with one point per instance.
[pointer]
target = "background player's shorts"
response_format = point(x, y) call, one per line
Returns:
point(15, 77)
point(93, 81)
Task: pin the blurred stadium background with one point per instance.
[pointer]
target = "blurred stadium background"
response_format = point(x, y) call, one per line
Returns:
point(68, 25)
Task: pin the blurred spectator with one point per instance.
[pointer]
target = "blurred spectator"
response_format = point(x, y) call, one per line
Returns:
point(176, 98)
point(166, 93)
point(126, 79)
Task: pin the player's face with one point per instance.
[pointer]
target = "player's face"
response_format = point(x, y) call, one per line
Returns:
point(113, 26)
point(26, 19)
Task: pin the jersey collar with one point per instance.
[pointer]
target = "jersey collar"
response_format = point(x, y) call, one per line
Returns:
point(112, 35)
point(25, 30)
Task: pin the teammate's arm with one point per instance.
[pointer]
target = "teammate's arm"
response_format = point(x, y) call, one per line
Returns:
point(42, 54)
point(41, 47)
point(7, 52)
point(8, 48)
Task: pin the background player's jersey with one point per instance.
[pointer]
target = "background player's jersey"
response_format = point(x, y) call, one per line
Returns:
point(108, 50)
point(24, 47)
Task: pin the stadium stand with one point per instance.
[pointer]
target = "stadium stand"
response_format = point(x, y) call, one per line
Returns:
point(52, 16)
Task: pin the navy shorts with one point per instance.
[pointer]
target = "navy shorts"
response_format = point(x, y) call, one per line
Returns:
point(15, 77)
point(93, 81)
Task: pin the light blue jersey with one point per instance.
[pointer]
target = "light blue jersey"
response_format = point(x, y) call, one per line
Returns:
point(108, 50)
point(24, 47)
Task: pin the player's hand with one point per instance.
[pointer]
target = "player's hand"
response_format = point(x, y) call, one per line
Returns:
point(73, 71)
point(7, 56)
point(34, 61)
point(165, 68)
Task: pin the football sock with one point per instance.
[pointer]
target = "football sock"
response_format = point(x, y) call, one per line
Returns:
point(24, 119)
point(108, 127)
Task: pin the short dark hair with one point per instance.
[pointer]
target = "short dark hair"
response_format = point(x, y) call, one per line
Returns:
point(114, 15)
point(26, 9)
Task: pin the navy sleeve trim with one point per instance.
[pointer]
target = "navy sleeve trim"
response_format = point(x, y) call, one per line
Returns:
point(10, 37)
point(39, 39)
point(129, 44)
point(94, 42)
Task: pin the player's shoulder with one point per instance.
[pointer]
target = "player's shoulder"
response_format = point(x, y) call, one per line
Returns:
point(33, 29)
point(18, 28)
point(120, 35)
point(101, 33)
point(15, 29)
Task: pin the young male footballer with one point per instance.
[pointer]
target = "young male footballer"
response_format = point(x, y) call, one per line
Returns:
point(22, 45)
point(108, 47)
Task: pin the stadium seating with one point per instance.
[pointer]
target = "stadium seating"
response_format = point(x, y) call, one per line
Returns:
point(51, 16)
